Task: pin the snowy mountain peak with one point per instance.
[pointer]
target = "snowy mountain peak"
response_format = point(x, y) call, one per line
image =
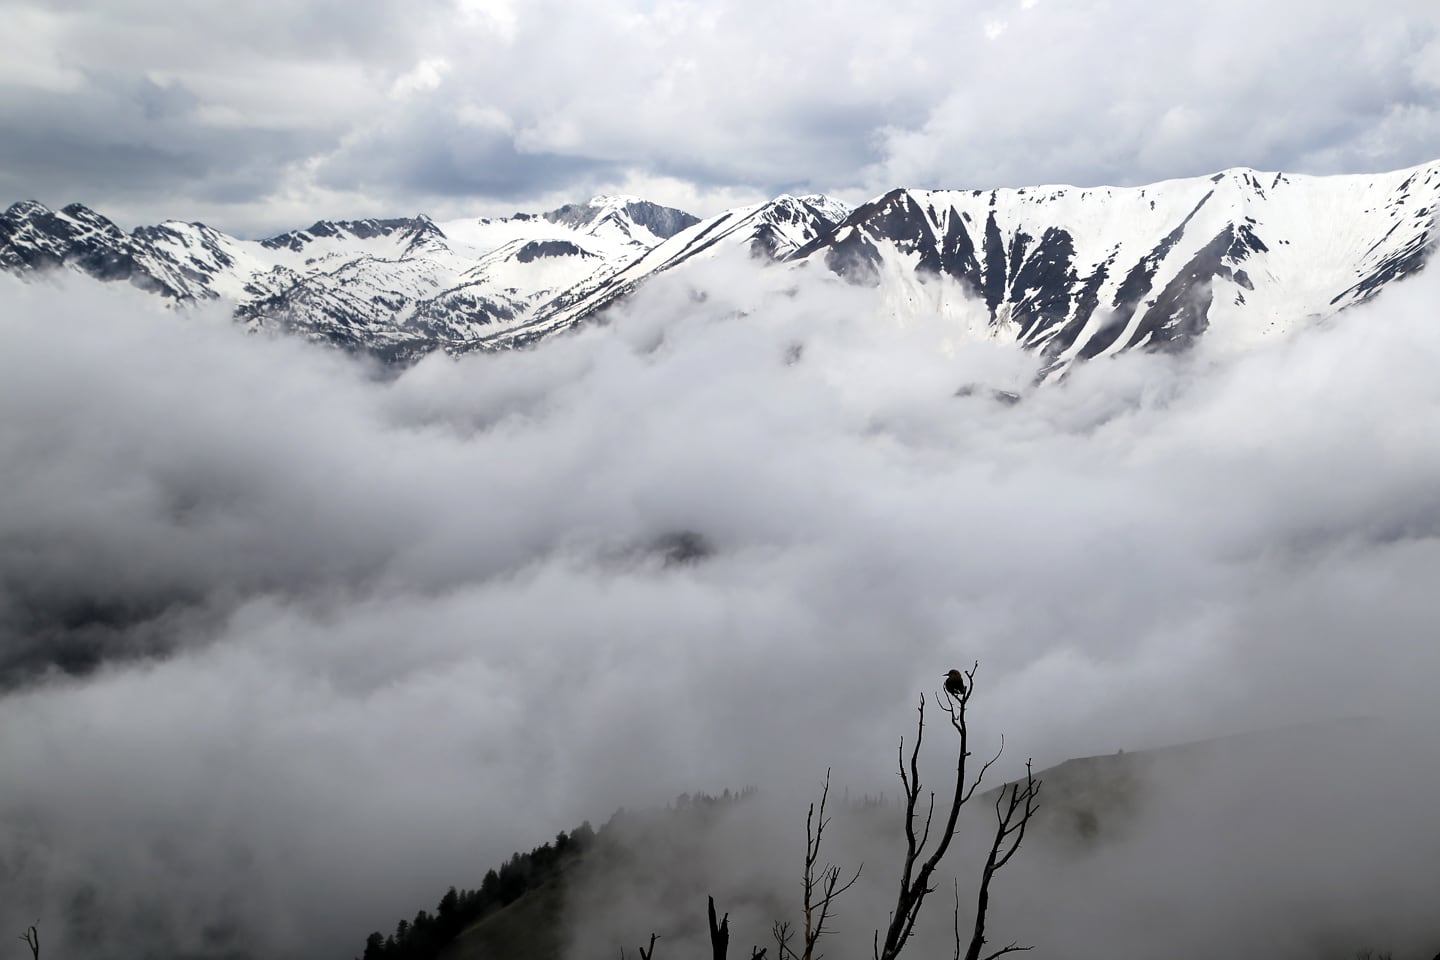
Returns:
point(34, 237)
point(405, 230)
point(1075, 272)
point(1225, 260)
point(786, 224)
point(625, 216)
point(25, 209)
point(830, 208)
point(88, 218)
point(72, 219)
point(769, 231)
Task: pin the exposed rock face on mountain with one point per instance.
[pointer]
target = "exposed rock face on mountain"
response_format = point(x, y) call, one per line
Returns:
point(1072, 273)
point(624, 214)
point(413, 234)
point(34, 238)
point(1075, 273)
point(772, 231)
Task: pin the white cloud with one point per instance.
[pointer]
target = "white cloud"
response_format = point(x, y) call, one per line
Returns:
point(741, 96)
point(1259, 97)
point(427, 75)
point(497, 15)
point(359, 597)
point(39, 63)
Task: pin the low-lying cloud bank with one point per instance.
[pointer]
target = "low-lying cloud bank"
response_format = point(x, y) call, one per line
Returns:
point(286, 647)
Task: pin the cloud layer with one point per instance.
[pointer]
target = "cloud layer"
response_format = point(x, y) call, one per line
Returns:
point(265, 117)
point(287, 648)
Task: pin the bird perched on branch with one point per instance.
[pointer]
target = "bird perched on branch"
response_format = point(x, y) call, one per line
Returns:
point(955, 683)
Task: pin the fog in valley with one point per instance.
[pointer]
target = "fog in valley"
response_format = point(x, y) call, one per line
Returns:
point(289, 643)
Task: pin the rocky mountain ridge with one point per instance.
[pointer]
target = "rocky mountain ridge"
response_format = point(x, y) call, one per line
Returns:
point(1072, 273)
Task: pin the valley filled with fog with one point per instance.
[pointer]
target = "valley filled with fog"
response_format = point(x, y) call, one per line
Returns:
point(290, 642)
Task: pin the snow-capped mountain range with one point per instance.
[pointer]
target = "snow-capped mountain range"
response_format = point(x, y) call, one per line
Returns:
point(1071, 272)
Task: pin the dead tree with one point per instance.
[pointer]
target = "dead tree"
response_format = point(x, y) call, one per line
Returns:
point(644, 953)
point(719, 937)
point(918, 868)
point(1015, 807)
point(719, 933)
point(821, 887)
point(32, 940)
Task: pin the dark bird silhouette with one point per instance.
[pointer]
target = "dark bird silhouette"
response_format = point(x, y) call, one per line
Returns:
point(955, 683)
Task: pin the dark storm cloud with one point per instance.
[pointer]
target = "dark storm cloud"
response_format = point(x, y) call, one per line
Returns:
point(181, 111)
point(323, 630)
point(122, 137)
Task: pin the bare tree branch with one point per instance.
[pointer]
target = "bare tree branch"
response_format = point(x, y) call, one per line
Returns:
point(826, 881)
point(980, 777)
point(1015, 806)
point(648, 954)
point(919, 865)
point(32, 940)
point(1009, 948)
point(782, 934)
point(957, 919)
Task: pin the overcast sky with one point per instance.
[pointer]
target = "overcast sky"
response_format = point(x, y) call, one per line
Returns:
point(265, 115)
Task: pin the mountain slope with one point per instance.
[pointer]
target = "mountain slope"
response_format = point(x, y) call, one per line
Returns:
point(1076, 273)
point(34, 239)
point(1072, 273)
point(396, 288)
point(1088, 806)
point(771, 231)
point(437, 286)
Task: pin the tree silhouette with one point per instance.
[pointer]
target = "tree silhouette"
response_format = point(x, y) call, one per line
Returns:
point(925, 847)
point(1014, 808)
